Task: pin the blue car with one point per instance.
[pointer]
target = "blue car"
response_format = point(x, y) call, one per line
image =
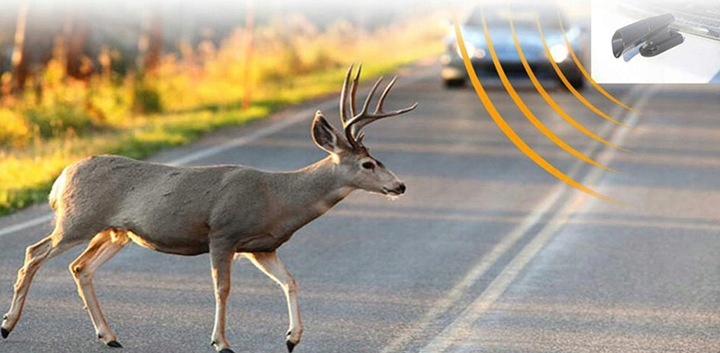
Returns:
point(525, 19)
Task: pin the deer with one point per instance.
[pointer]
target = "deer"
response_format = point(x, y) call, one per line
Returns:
point(226, 211)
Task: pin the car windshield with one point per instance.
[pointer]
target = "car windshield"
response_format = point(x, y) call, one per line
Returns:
point(521, 17)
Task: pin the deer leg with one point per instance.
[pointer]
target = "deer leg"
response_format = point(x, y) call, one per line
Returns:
point(270, 264)
point(35, 256)
point(221, 264)
point(103, 247)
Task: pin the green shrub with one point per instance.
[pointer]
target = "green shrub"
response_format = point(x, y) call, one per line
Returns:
point(63, 119)
point(146, 98)
point(110, 101)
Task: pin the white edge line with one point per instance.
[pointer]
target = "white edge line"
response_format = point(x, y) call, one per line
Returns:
point(45, 218)
point(243, 140)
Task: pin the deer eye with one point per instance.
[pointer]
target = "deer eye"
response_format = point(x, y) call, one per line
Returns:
point(368, 165)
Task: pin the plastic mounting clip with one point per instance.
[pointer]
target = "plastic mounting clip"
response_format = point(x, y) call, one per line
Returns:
point(651, 36)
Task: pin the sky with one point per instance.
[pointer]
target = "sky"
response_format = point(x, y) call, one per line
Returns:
point(222, 15)
point(190, 20)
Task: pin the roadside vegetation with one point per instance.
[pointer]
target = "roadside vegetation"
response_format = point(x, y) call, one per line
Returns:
point(56, 119)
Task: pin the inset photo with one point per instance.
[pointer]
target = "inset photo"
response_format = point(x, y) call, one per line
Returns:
point(655, 41)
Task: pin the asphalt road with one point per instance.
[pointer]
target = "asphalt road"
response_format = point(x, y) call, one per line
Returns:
point(485, 253)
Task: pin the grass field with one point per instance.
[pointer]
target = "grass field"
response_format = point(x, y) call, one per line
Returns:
point(190, 95)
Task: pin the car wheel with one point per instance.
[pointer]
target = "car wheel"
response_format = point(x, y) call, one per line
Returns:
point(454, 83)
point(577, 82)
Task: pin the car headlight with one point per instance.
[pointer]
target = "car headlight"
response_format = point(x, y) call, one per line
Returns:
point(559, 53)
point(472, 51)
point(469, 47)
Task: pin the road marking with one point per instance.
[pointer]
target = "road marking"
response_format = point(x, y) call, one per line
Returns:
point(461, 326)
point(246, 139)
point(39, 220)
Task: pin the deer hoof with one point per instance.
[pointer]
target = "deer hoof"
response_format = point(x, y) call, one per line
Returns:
point(5, 333)
point(226, 350)
point(114, 344)
point(290, 346)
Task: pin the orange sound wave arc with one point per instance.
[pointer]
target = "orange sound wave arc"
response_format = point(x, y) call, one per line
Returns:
point(569, 86)
point(584, 72)
point(526, 111)
point(549, 100)
point(508, 131)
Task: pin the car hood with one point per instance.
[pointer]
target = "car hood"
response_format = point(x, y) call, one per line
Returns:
point(503, 40)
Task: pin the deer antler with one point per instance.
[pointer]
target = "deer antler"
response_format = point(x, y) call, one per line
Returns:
point(356, 122)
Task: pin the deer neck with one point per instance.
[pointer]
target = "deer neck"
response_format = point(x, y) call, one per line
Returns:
point(319, 186)
point(301, 196)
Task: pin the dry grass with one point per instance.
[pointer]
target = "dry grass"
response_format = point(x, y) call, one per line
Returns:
point(194, 92)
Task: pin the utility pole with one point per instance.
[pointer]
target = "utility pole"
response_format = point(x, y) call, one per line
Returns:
point(75, 36)
point(19, 61)
point(249, 48)
point(150, 43)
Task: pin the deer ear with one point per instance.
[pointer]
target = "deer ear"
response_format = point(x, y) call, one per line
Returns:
point(326, 137)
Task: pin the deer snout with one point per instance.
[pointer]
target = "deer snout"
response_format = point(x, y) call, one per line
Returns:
point(399, 189)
